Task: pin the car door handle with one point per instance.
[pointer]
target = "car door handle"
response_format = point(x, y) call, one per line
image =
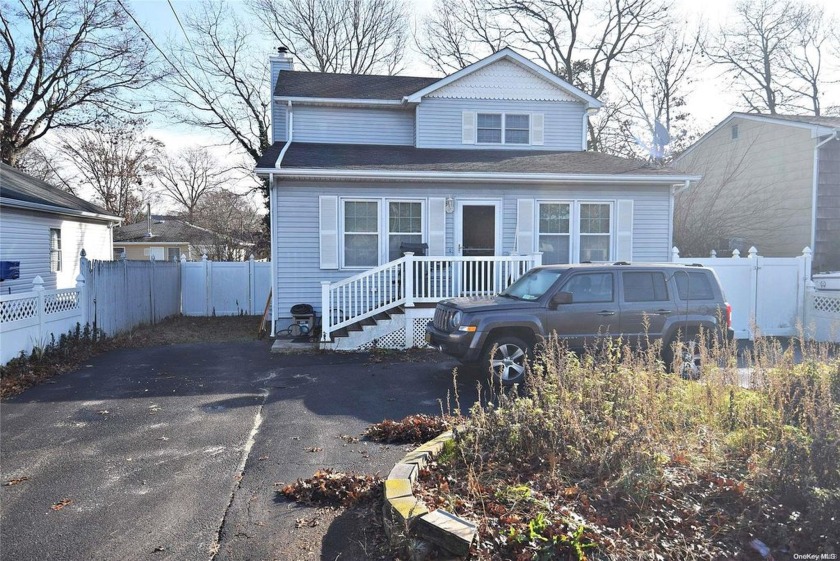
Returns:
point(663, 312)
point(606, 313)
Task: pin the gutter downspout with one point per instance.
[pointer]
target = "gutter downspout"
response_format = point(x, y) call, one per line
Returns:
point(815, 186)
point(272, 201)
point(675, 190)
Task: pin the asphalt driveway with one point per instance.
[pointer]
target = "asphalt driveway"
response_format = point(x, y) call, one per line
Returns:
point(175, 452)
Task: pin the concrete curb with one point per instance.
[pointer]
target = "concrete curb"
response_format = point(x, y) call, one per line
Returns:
point(406, 515)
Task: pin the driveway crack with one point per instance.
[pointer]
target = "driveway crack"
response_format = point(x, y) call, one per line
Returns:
point(240, 474)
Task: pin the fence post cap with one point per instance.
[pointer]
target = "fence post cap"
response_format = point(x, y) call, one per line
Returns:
point(251, 258)
point(183, 258)
point(122, 255)
point(37, 283)
point(80, 280)
point(807, 251)
point(675, 252)
point(735, 253)
point(753, 252)
point(713, 253)
point(83, 253)
point(204, 257)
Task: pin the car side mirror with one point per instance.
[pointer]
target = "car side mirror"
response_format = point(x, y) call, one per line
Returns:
point(559, 299)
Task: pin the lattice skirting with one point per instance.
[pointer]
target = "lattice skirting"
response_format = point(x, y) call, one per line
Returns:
point(826, 304)
point(394, 340)
point(418, 328)
point(14, 310)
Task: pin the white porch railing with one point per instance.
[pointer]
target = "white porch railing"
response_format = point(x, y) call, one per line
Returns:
point(414, 279)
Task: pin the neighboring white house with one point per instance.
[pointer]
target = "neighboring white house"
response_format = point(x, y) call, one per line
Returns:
point(482, 166)
point(45, 229)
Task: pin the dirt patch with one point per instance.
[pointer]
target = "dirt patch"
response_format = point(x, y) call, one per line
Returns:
point(71, 350)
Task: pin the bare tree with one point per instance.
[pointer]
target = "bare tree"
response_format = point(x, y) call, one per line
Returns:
point(754, 48)
point(578, 40)
point(235, 223)
point(347, 36)
point(65, 64)
point(218, 79)
point(189, 176)
point(458, 33)
point(116, 161)
point(806, 57)
point(654, 88)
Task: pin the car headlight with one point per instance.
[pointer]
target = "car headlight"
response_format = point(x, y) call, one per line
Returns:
point(455, 320)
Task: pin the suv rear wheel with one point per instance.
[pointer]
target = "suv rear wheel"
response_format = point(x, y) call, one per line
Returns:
point(506, 356)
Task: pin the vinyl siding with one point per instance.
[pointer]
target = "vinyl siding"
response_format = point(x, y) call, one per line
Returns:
point(278, 122)
point(439, 122)
point(297, 251)
point(25, 237)
point(827, 246)
point(768, 172)
point(353, 125)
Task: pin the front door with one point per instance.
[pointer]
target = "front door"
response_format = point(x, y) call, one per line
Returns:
point(477, 234)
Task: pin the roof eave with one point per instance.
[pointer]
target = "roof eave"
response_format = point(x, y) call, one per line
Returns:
point(52, 209)
point(339, 101)
point(488, 177)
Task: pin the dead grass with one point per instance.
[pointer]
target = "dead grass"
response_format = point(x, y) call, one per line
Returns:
point(71, 350)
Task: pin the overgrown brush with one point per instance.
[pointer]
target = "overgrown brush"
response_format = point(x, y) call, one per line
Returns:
point(616, 423)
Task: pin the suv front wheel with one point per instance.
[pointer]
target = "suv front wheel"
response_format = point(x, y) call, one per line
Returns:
point(506, 356)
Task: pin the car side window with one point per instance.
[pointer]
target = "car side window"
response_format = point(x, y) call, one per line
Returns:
point(590, 287)
point(644, 286)
point(694, 285)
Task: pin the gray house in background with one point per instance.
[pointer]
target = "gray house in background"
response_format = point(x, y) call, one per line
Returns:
point(481, 166)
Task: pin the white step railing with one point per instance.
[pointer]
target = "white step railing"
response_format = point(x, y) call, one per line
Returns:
point(414, 279)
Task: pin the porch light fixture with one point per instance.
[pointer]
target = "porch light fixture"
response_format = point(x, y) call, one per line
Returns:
point(450, 204)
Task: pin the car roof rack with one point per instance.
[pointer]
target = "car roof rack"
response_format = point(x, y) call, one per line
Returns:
point(621, 263)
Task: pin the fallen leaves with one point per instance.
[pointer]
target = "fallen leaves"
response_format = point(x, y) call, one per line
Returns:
point(61, 504)
point(314, 449)
point(333, 488)
point(15, 481)
point(414, 429)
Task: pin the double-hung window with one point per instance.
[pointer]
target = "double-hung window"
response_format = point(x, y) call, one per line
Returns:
point(55, 250)
point(405, 226)
point(595, 231)
point(361, 234)
point(555, 235)
point(503, 128)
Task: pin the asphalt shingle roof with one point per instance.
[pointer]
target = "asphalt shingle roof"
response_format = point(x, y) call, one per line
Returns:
point(408, 158)
point(164, 229)
point(293, 83)
point(19, 186)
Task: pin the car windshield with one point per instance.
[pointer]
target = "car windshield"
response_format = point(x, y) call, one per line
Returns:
point(533, 284)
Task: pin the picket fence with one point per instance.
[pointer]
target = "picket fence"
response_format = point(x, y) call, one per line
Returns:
point(117, 296)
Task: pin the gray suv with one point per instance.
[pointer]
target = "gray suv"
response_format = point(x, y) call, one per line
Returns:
point(583, 304)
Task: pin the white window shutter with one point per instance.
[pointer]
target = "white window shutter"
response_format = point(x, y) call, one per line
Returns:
point(468, 127)
point(437, 226)
point(537, 129)
point(525, 226)
point(328, 223)
point(624, 231)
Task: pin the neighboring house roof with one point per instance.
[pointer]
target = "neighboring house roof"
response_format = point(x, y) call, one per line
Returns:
point(359, 157)
point(819, 126)
point(292, 83)
point(165, 229)
point(18, 189)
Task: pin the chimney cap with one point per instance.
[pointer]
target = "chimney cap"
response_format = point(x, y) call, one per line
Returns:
point(282, 50)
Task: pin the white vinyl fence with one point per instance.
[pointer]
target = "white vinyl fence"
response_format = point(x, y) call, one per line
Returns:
point(773, 296)
point(212, 288)
point(116, 296)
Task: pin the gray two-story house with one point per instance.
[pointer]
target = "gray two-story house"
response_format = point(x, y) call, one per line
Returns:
point(481, 174)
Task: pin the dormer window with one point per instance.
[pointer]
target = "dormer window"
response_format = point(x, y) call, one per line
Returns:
point(503, 128)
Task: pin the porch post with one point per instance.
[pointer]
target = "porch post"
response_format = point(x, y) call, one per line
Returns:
point(326, 312)
point(536, 258)
point(408, 278)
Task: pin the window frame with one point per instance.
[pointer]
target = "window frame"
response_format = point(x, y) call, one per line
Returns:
point(504, 127)
point(575, 226)
point(611, 235)
point(387, 224)
point(652, 274)
point(343, 231)
point(56, 264)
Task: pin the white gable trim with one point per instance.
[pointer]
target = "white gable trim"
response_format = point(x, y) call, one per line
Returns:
point(509, 54)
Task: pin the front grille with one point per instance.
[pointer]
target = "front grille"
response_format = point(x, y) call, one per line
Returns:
point(442, 317)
